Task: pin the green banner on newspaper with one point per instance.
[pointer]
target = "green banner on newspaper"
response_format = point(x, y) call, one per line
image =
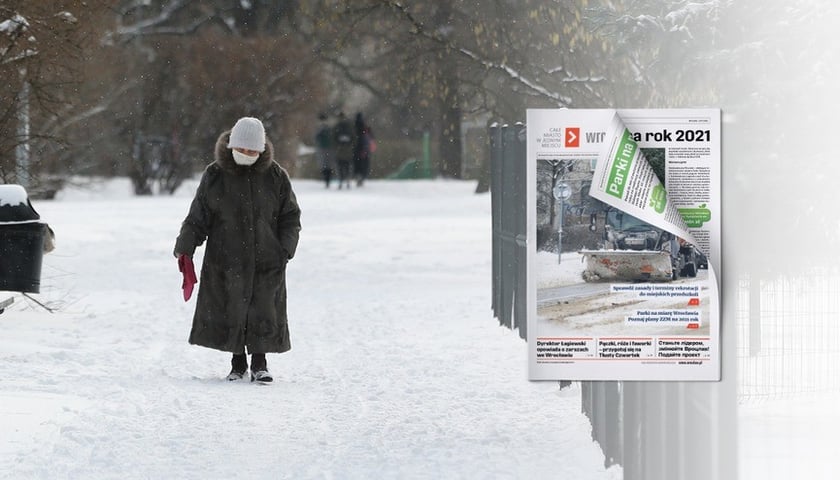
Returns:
point(696, 217)
point(621, 165)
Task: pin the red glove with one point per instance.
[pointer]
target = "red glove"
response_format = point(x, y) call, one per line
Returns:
point(185, 265)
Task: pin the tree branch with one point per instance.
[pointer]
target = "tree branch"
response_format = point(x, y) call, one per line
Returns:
point(533, 86)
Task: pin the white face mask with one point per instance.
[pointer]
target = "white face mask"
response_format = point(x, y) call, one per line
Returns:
point(242, 159)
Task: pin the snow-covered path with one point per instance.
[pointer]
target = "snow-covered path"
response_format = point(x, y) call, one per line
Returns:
point(397, 369)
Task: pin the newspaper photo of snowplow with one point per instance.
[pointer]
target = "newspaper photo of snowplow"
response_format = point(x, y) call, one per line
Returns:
point(604, 246)
point(635, 250)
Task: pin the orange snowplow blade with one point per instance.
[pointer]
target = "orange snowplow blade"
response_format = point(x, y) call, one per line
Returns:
point(626, 265)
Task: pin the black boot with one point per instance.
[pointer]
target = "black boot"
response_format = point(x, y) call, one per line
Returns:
point(259, 369)
point(239, 365)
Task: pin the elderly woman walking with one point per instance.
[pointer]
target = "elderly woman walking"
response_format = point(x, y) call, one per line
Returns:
point(246, 210)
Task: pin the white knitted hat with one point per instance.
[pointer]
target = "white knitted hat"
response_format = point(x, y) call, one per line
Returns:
point(248, 133)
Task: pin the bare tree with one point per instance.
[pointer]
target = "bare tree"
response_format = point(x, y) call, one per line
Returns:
point(435, 63)
point(41, 56)
point(188, 70)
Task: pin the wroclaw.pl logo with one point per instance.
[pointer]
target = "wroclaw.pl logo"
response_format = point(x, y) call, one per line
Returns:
point(572, 137)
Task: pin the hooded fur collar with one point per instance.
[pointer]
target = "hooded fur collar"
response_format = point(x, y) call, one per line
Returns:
point(224, 157)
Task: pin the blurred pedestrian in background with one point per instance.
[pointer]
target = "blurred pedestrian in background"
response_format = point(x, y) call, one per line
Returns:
point(324, 148)
point(344, 142)
point(364, 146)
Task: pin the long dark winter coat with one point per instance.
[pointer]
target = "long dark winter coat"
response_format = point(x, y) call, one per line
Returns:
point(251, 221)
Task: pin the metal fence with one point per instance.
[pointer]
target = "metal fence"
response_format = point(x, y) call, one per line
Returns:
point(654, 430)
point(507, 193)
point(789, 331)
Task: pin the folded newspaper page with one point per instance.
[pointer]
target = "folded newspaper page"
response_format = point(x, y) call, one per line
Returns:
point(624, 224)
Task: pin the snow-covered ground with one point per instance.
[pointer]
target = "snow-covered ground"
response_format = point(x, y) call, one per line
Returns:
point(397, 368)
point(551, 273)
point(790, 438)
point(602, 312)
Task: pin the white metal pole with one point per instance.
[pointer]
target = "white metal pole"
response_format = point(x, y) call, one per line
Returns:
point(560, 231)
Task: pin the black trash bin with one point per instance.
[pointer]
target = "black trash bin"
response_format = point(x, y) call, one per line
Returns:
point(22, 236)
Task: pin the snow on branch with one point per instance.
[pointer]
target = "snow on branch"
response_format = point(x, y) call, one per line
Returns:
point(21, 56)
point(153, 25)
point(569, 78)
point(639, 22)
point(67, 17)
point(682, 16)
point(674, 21)
point(185, 30)
point(15, 26)
point(419, 29)
point(515, 75)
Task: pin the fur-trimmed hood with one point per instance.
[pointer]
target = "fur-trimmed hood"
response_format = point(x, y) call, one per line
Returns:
point(224, 157)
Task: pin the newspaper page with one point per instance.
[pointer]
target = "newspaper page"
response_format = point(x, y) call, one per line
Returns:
point(624, 223)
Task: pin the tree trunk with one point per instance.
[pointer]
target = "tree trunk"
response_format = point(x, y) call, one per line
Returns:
point(450, 102)
point(483, 176)
point(22, 150)
point(450, 129)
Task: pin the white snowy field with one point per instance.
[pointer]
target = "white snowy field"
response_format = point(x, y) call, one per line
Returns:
point(551, 273)
point(790, 438)
point(397, 368)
